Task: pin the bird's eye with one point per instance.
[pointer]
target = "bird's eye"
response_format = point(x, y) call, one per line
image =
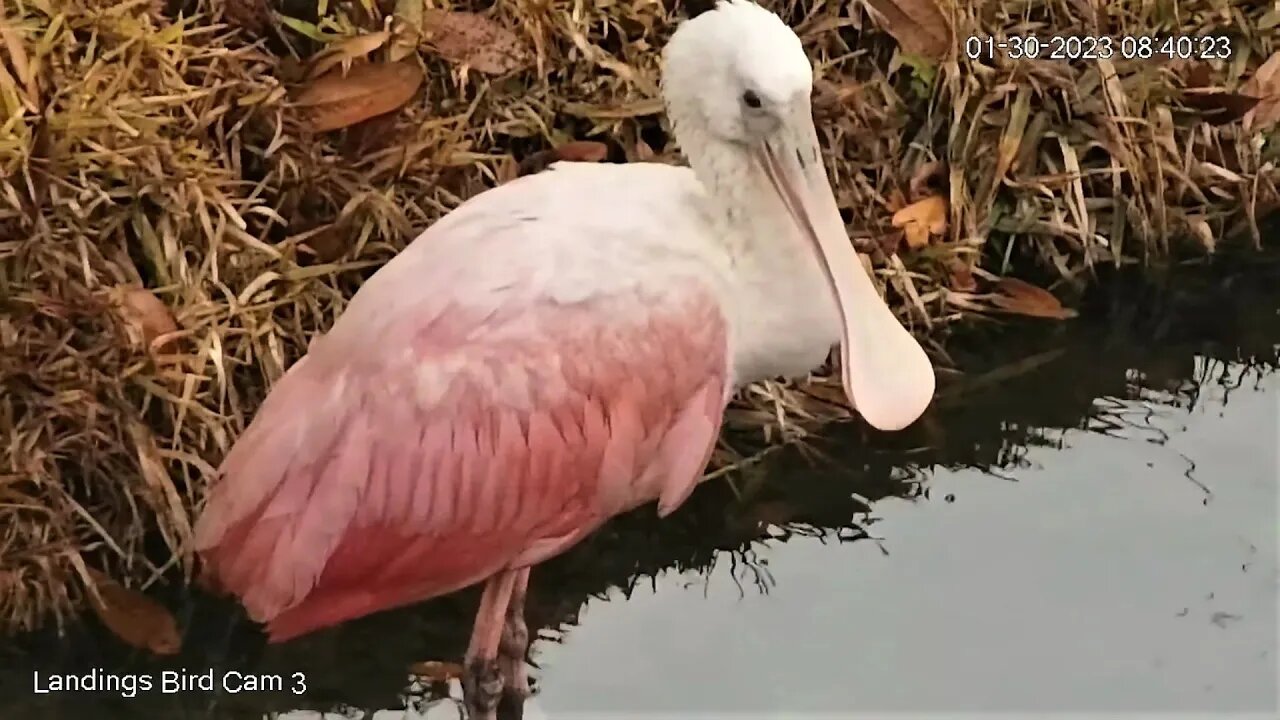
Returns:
point(751, 99)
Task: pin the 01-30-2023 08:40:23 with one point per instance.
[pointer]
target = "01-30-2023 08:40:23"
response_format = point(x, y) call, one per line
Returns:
point(1100, 47)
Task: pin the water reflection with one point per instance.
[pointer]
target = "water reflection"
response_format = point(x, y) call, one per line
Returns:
point(1047, 540)
point(1108, 579)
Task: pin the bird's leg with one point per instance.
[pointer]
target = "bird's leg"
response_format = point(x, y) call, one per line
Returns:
point(482, 679)
point(512, 649)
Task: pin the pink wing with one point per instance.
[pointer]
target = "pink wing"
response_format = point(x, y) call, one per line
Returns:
point(402, 459)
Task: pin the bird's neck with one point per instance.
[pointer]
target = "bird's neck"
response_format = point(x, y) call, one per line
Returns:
point(785, 319)
point(746, 213)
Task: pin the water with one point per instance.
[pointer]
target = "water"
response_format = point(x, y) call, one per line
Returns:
point(1100, 581)
point(1089, 527)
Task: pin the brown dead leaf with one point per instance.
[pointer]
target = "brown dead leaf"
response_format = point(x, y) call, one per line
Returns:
point(919, 26)
point(346, 52)
point(336, 101)
point(1217, 107)
point(921, 219)
point(145, 316)
point(1199, 75)
point(1022, 298)
point(582, 151)
point(474, 41)
point(1266, 79)
point(1265, 84)
point(436, 671)
point(575, 151)
point(133, 617)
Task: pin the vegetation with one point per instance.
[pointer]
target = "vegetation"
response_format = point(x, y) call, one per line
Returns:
point(190, 191)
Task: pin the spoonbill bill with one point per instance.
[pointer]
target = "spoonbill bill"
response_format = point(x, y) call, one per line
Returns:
point(553, 352)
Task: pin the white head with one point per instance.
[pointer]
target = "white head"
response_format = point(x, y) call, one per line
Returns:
point(737, 70)
point(737, 84)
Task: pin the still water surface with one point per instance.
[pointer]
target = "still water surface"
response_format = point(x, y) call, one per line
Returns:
point(1095, 534)
point(1101, 579)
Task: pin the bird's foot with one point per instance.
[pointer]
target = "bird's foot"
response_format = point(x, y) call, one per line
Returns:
point(511, 706)
point(482, 688)
point(511, 652)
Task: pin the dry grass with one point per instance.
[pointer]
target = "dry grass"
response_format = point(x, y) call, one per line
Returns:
point(146, 146)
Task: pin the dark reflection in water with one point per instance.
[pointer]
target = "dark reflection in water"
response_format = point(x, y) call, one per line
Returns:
point(1016, 557)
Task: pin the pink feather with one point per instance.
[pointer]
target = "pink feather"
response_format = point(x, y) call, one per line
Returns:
point(412, 453)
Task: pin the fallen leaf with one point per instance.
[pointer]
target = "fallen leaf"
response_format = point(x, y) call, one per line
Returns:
point(576, 151)
point(919, 26)
point(921, 219)
point(1200, 75)
point(475, 41)
point(1022, 298)
point(436, 671)
point(145, 316)
point(1265, 84)
point(1266, 79)
point(583, 151)
point(335, 101)
point(133, 617)
point(345, 52)
point(1218, 107)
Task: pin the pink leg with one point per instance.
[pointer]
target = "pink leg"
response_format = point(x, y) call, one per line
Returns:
point(512, 650)
point(482, 680)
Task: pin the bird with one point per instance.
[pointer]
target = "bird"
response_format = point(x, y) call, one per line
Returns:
point(555, 351)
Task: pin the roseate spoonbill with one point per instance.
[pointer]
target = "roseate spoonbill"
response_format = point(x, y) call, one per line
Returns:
point(556, 351)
